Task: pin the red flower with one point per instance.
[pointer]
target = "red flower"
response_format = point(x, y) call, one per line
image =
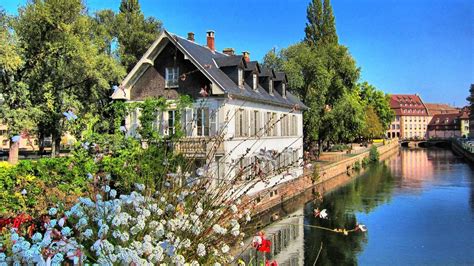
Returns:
point(271, 263)
point(22, 218)
point(260, 243)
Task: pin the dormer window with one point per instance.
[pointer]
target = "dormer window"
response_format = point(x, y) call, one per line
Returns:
point(171, 77)
point(270, 87)
point(255, 81)
point(283, 90)
point(241, 77)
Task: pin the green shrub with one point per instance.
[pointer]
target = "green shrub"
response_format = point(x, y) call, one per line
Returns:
point(339, 147)
point(356, 166)
point(373, 154)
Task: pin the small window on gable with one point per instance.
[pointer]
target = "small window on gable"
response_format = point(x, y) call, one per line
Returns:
point(241, 77)
point(255, 81)
point(171, 77)
point(283, 90)
point(270, 87)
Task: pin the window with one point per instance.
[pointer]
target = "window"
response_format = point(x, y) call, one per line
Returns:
point(241, 124)
point(171, 122)
point(187, 121)
point(241, 77)
point(283, 90)
point(274, 124)
point(270, 87)
point(5, 142)
point(284, 125)
point(202, 121)
point(255, 124)
point(255, 81)
point(294, 126)
point(171, 77)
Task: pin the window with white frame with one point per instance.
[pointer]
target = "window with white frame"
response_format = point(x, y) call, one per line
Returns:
point(255, 81)
point(202, 120)
point(241, 123)
point(294, 125)
point(187, 122)
point(283, 89)
point(240, 77)
point(274, 125)
point(255, 123)
point(171, 77)
point(270, 87)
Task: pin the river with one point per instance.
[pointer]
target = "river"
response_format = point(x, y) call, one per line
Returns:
point(418, 206)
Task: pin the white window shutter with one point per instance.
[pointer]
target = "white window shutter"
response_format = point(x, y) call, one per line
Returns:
point(237, 122)
point(213, 122)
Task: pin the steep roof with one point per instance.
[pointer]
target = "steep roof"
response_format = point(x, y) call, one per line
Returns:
point(444, 120)
point(204, 56)
point(441, 108)
point(408, 105)
point(210, 64)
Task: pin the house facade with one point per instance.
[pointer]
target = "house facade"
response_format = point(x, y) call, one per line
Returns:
point(471, 113)
point(240, 109)
point(411, 117)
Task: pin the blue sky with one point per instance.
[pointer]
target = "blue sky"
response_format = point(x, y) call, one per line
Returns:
point(402, 46)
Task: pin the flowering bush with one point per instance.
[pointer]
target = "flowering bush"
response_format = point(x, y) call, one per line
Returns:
point(171, 227)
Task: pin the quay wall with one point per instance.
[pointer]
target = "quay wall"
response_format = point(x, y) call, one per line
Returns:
point(456, 148)
point(319, 180)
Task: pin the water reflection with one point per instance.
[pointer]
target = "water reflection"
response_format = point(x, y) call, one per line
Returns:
point(369, 191)
point(418, 205)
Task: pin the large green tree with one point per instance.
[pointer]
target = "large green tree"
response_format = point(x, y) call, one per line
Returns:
point(323, 74)
point(135, 32)
point(379, 101)
point(16, 108)
point(65, 67)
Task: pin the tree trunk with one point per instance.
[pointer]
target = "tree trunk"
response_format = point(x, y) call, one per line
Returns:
point(13, 152)
point(55, 145)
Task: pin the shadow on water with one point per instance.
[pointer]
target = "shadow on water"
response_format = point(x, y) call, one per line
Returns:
point(371, 189)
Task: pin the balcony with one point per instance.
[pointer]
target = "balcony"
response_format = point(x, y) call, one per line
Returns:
point(198, 147)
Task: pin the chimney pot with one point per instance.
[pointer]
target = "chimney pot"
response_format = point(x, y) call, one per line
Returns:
point(210, 40)
point(228, 51)
point(191, 36)
point(246, 56)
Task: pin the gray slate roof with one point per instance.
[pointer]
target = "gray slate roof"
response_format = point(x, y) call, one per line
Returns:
point(211, 61)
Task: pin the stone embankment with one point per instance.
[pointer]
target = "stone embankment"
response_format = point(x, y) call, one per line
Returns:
point(316, 180)
point(458, 149)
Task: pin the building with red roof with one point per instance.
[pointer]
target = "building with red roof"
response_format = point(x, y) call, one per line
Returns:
point(411, 117)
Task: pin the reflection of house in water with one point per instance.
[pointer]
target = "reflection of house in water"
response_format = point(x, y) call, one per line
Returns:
point(413, 166)
point(287, 237)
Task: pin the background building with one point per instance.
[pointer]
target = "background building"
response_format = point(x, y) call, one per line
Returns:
point(411, 117)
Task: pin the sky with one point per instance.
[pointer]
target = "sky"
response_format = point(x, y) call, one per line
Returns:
point(401, 46)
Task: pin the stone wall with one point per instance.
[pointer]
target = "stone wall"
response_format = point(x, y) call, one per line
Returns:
point(271, 197)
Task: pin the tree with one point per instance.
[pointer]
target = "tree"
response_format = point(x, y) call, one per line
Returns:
point(314, 14)
point(65, 68)
point(15, 106)
point(272, 60)
point(379, 101)
point(373, 127)
point(321, 26)
point(135, 33)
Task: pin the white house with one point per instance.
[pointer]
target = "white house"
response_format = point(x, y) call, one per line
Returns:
point(241, 111)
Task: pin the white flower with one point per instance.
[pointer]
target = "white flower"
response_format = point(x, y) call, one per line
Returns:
point(219, 229)
point(201, 250)
point(53, 211)
point(225, 248)
point(361, 227)
point(321, 214)
point(113, 193)
point(233, 208)
point(199, 211)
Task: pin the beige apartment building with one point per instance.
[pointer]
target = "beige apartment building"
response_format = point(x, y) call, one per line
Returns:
point(411, 117)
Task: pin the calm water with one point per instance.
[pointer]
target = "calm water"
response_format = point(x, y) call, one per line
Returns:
point(418, 207)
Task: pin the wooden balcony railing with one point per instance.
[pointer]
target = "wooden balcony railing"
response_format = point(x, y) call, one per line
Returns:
point(199, 146)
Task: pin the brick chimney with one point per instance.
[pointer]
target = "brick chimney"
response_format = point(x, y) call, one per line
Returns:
point(210, 40)
point(191, 36)
point(246, 56)
point(228, 51)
